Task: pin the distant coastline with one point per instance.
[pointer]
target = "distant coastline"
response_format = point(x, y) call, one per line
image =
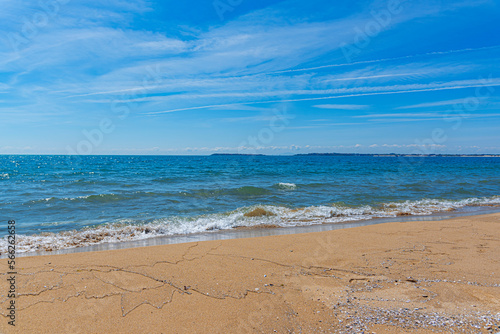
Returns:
point(264, 155)
point(238, 154)
point(372, 155)
point(400, 155)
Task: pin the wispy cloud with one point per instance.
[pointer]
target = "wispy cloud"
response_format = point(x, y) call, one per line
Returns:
point(258, 118)
point(394, 115)
point(356, 92)
point(142, 55)
point(381, 60)
point(342, 106)
point(435, 104)
point(395, 118)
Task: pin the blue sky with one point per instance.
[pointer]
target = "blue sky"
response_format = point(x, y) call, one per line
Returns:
point(273, 77)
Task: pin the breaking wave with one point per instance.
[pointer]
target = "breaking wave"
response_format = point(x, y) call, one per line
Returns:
point(276, 216)
point(286, 186)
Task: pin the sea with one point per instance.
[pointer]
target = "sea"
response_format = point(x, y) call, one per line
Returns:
point(64, 202)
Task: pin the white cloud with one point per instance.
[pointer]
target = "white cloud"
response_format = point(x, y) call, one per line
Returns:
point(350, 92)
point(435, 104)
point(251, 60)
point(342, 106)
point(399, 115)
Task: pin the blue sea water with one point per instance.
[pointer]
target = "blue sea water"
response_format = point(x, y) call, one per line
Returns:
point(69, 201)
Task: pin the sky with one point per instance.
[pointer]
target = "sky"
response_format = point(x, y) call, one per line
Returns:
point(240, 76)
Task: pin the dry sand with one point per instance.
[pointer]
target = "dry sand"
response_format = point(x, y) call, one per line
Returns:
point(413, 277)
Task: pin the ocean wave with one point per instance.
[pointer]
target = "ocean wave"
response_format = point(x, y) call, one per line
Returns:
point(242, 192)
point(80, 182)
point(286, 186)
point(246, 191)
point(167, 180)
point(100, 198)
point(250, 217)
point(249, 191)
point(5, 176)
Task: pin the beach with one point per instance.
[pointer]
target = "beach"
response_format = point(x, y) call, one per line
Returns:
point(63, 202)
point(229, 166)
point(410, 277)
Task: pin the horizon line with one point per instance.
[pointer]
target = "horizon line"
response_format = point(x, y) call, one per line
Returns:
point(259, 154)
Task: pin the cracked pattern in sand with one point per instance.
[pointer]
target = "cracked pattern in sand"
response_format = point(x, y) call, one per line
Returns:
point(153, 284)
point(371, 288)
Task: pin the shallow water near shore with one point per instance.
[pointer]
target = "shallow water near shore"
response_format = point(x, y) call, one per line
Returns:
point(259, 232)
point(63, 202)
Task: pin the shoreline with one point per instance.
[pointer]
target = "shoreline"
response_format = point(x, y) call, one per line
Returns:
point(259, 231)
point(417, 277)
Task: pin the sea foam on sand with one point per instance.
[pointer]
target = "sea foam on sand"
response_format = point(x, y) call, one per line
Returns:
point(130, 230)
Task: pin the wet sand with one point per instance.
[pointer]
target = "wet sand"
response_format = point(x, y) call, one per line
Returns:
point(411, 277)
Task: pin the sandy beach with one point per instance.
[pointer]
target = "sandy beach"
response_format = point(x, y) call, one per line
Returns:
point(412, 277)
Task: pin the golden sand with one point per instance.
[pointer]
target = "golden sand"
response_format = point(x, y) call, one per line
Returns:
point(413, 277)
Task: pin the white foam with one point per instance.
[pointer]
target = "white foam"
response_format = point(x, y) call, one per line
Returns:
point(287, 186)
point(129, 230)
